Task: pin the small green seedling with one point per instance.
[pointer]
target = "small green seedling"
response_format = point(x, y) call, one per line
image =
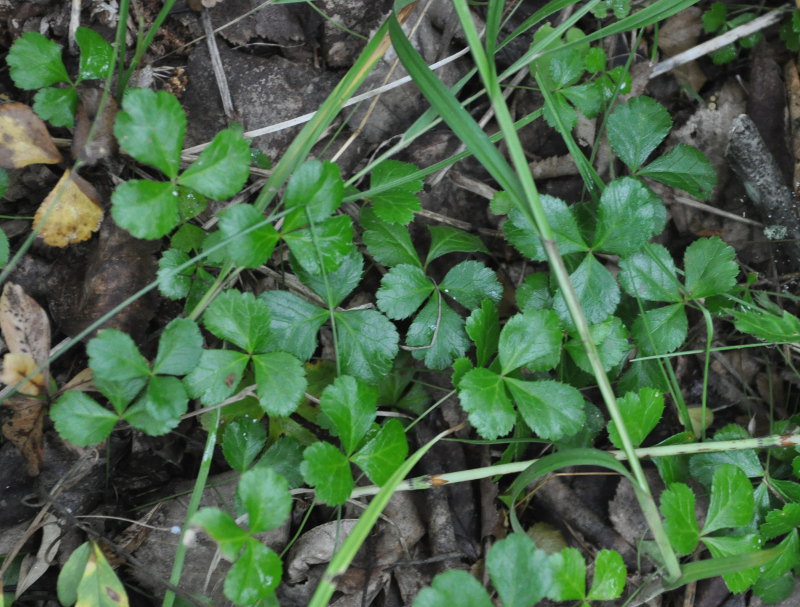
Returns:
point(717, 21)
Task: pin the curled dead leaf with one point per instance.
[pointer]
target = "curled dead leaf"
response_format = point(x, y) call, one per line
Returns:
point(16, 367)
point(24, 138)
point(70, 213)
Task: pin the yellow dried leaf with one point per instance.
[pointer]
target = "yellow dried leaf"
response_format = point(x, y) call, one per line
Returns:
point(17, 367)
point(24, 138)
point(76, 213)
point(25, 325)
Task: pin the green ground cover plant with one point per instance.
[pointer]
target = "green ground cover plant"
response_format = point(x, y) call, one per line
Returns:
point(250, 358)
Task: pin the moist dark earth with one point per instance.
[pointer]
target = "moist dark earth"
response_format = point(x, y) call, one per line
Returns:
point(281, 62)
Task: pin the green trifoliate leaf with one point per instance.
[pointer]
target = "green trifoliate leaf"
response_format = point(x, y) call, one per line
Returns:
point(242, 441)
point(650, 274)
point(179, 348)
point(281, 382)
point(322, 247)
point(114, 356)
point(254, 575)
point(551, 409)
point(159, 409)
point(97, 55)
point(222, 168)
point(455, 587)
point(35, 62)
point(731, 546)
point(731, 502)
point(635, 129)
point(641, 413)
point(683, 167)
point(147, 209)
point(367, 343)
point(587, 97)
point(398, 203)
point(314, 191)
point(703, 465)
point(150, 128)
point(771, 591)
point(483, 328)
point(120, 393)
point(264, 496)
point(558, 109)
point(390, 244)
point(680, 522)
point(239, 318)
point(438, 331)
point(403, 289)
point(383, 453)
point(190, 203)
point(351, 405)
point(786, 561)
point(714, 18)
point(534, 292)
point(661, 330)
point(710, 268)
point(569, 576)
point(532, 340)
point(221, 528)
point(57, 106)
point(254, 248)
point(609, 576)
point(171, 283)
point(294, 323)
point(597, 291)
point(611, 339)
point(470, 282)
point(629, 215)
point(336, 285)
point(445, 239)
point(520, 233)
point(519, 571)
point(81, 420)
point(327, 470)
point(216, 376)
point(779, 522)
point(285, 456)
point(483, 396)
point(187, 238)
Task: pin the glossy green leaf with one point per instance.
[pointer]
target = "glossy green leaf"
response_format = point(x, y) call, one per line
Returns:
point(70, 575)
point(147, 209)
point(314, 191)
point(96, 57)
point(629, 215)
point(322, 247)
point(280, 381)
point(173, 284)
point(587, 97)
point(534, 292)
point(686, 168)
point(483, 328)
point(264, 496)
point(222, 168)
point(179, 347)
point(558, 110)
point(57, 106)
point(446, 239)
point(351, 405)
point(80, 420)
point(438, 332)
point(597, 291)
point(519, 571)
point(294, 323)
point(641, 412)
point(242, 441)
point(661, 330)
point(403, 290)
point(531, 339)
point(367, 343)
point(470, 282)
point(611, 339)
point(779, 522)
point(710, 268)
point(569, 576)
point(635, 129)
point(680, 522)
point(216, 376)
point(113, 355)
point(335, 286)
point(551, 409)
point(221, 528)
point(254, 248)
point(714, 18)
point(327, 470)
point(650, 274)
point(254, 576)
point(399, 202)
point(390, 244)
point(731, 546)
point(483, 396)
point(35, 62)
point(159, 409)
point(609, 576)
point(767, 325)
point(731, 502)
point(454, 587)
point(239, 318)
point(383, 453)
point(774, 591)
point(285, 456)
point(151, 127)
point(525, 238)
point(703, 465)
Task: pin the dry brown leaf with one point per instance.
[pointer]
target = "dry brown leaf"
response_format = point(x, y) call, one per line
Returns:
point(82, 382)
point(25, 325)
point(16, 367)
point(76, 213)
point(25, 430)
point(24, 138)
